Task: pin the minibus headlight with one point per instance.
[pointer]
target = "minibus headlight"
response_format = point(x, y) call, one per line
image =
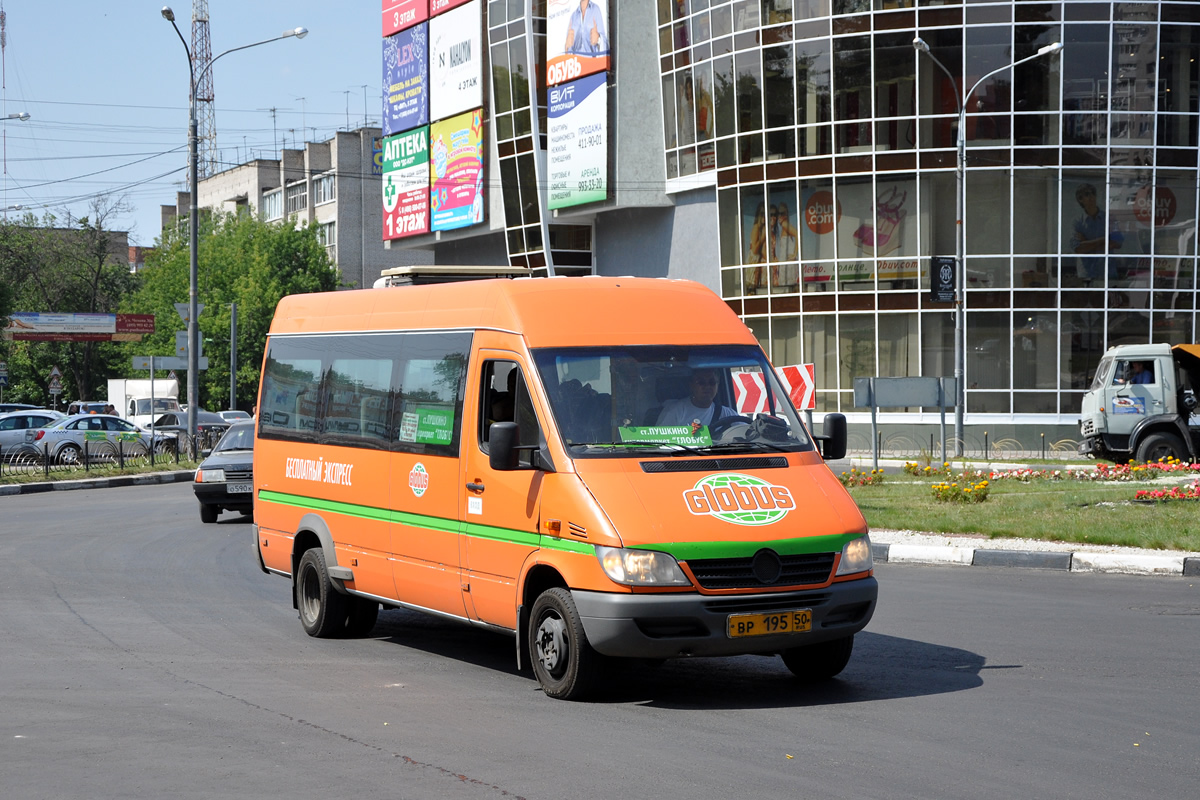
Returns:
point(210, 476)
point(856, 556)
point(640, 567)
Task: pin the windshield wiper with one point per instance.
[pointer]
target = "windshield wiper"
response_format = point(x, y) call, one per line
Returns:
point(640, 443)
point(748, 444)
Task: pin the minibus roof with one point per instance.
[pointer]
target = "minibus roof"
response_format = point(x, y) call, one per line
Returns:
point(548, 312)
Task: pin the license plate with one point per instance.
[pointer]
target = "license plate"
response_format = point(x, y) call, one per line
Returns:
point(239, 488)
point(795, 621)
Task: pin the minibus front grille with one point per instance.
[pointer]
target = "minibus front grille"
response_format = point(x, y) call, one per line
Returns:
point(760, 604)
point(740, 573)
point(713, 464)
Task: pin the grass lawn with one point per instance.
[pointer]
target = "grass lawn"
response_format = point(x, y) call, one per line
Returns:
point(1069, 511)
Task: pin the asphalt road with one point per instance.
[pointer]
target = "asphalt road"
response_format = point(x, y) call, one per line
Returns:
point(144, 655)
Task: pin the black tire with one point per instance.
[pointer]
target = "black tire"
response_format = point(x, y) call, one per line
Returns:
point(565, 664)
point(209, 514)
point(323, 609)
point(1160, 445)
point(70, 454)
point(361, 617)
point(819, 662)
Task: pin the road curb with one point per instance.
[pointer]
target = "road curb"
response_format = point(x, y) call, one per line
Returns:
point(1078, 561)
point(144, 479)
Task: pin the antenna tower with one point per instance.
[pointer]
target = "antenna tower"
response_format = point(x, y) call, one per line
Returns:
point(206, 121)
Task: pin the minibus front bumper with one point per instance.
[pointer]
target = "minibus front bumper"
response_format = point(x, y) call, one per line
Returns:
point(674, 625)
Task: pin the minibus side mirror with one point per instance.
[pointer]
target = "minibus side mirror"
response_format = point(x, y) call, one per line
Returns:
point(832, 440)
point(502, 446)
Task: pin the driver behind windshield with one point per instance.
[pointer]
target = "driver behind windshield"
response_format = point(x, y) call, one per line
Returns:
point(699, 408)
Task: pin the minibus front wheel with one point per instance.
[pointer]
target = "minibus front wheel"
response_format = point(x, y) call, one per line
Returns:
point(564, 662)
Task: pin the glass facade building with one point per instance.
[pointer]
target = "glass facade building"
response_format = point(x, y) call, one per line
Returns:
point(833, 143)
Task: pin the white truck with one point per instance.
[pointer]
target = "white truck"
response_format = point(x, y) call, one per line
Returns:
point(132, 398)
point(1141, 402)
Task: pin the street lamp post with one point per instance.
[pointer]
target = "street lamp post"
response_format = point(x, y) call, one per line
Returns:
point(960, 280)
point(193, 329)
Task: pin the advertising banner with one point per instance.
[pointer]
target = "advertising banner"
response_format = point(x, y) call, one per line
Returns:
point(456, 166)
point(861, 227)
point(406, 80)
point(438, 6)
point(578, 141)
point(406, 184)
point(576, 39)
point(456, 61)
point(401, 14)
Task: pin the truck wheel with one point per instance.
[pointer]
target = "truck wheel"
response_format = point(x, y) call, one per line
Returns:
point(208, 514)
point(563, 661)
point(323, 609)
point(1160, 445)
point(819, 662)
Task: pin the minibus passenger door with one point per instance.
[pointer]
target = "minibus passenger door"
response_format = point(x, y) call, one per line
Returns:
point(500, 509)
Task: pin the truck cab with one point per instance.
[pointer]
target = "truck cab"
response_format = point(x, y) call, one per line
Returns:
point(1140, 404)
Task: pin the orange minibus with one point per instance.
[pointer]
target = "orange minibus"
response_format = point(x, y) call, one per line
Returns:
point(600, 467)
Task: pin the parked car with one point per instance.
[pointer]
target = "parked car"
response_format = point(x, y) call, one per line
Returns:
point(14, 424)
point(7, 407)
point(209, 426)
point(234, 416)
point(102, 433)
point(225, 480)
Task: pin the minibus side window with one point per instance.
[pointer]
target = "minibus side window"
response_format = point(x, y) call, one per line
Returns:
point(427, 387)
point(505, 398)
point(288, 407)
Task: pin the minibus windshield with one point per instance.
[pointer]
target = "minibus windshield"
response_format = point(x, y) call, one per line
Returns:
point(608, 401)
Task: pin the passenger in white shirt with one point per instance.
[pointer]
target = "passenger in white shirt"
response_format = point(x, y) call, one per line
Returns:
point(699, 407)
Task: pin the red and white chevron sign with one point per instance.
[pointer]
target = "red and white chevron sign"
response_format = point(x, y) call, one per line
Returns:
point(750, 392)
point(800, 383)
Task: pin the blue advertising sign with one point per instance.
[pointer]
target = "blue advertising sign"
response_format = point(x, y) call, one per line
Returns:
point(406, 79)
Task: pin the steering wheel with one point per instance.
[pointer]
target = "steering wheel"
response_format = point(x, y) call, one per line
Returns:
point(725, 423)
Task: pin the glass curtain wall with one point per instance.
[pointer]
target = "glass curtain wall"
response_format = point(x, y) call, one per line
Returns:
point(834, 147)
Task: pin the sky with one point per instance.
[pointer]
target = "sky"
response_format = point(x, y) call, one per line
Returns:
point(106, 85)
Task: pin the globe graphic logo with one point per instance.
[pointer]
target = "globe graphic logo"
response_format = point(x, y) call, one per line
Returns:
point(740, 499)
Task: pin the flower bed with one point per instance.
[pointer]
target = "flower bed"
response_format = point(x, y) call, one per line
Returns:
point(966, 492)
point(857, 477)
point(1174, 493)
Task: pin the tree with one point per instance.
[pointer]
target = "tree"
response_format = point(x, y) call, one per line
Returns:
point(242, 260)
point(80, 267)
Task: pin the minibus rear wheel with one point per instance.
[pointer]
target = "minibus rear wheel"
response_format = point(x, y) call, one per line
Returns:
point(563, 661)
point(818, 662)
point(323, 609)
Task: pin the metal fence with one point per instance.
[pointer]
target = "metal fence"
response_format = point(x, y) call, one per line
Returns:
point(981, 446)
point(27, 459)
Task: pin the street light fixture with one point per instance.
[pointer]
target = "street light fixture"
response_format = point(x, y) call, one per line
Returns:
point(20, 115)
point(193, 216)
point(960, 280)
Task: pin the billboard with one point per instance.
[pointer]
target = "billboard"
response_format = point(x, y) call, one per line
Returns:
point(438, 6)
point(32, 326)
point(456, 167)
point(406, 79)
point(401, 14)
point(576, 39)
point(456, 61)
point(406, 184)
point(578, 141)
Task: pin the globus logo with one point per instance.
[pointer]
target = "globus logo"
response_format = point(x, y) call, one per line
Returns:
point(418, 479)
point(740, 499)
